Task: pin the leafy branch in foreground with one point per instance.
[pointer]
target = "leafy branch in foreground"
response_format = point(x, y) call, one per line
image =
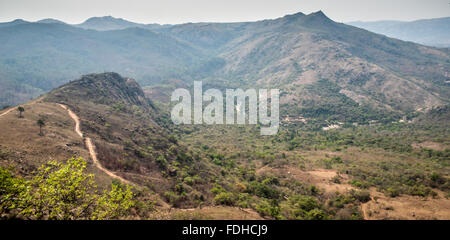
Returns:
point(61, 191)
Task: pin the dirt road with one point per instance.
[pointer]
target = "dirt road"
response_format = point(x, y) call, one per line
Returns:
point(14, 108)
point(91, 147)
point(75, 118)
point(9, 110)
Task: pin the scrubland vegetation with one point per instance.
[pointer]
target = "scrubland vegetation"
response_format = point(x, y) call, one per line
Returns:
point(187, 171)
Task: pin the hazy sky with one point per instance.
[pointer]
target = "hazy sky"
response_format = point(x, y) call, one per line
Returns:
point(180, 11)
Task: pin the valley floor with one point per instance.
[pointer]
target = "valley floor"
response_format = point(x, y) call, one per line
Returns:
point(346, 182)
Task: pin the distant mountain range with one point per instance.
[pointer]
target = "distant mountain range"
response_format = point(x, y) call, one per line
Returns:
point(324, 69)
point(431, 32)
point(105, 23)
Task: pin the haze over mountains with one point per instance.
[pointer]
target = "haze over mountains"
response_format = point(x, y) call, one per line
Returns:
point(431, 32)
point(364, 119)
point(323, 68)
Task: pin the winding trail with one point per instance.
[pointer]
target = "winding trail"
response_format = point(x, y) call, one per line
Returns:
point(91, 147)
point(14, 108)
point(365, 208)
point(9, 110)
point(88, 141)
point(75, 118)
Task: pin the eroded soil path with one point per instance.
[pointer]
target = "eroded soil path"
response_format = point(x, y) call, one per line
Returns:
point(14, 108)
point(9, 110)
point(91, 147)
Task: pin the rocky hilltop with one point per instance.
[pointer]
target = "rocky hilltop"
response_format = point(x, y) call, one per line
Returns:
point(106, 88)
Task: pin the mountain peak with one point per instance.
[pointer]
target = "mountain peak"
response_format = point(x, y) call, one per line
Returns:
point(290, 18)
point(14, 22)
point(319, 15)
point(50, 20)
point(317, 20)
point(105, 88)
point(106, 23)
point(295, 15)
point(103, 18)
point(19, 20)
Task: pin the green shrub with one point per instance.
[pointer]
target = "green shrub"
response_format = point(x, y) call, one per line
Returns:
point(359, 184)
point(226, 198)
point(262, 190)
point(271, 209)
point(306, 203)
point(391, 192)
point(336, 179)
point(162, 162)
point(437, 178)
point(271, 180)
point(217, 189)
point(362, 196)
point(171, 197)
point(337, 160)
point(188, 180)
point(316, 214)
point(419, 190)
